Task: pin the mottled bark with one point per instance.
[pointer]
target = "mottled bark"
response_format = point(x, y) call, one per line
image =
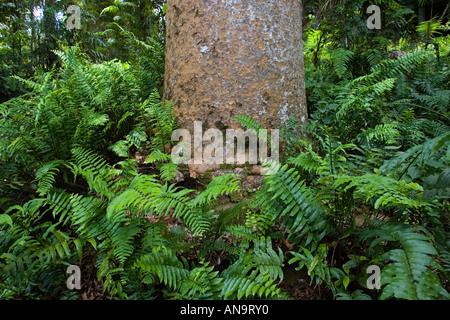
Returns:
point(235, 57)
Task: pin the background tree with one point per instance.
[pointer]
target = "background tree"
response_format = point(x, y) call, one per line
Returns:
point(84, 178)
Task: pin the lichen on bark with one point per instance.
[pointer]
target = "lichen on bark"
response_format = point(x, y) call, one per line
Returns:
point(234, 57)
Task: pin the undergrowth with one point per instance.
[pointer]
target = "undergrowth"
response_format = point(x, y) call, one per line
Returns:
point(364, 184)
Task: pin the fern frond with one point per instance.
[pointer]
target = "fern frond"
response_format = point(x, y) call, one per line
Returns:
point(168, 171)
point(46, 176)
point(417, 156)
point(249, 123)
point(309, 161)
point(341, 58)
point(383, 132)
point(157, 156)
point(137, 137)
point(373, 56)
point(123, 240)
point(95, 170)
point(249, 285)
point(120, 148)
point(316, 264)
point(166, 267)
point(224, 184)
point(240, 231)
point(388, 191)
point(201, 283)
point(254, 273)
point(154, 237)
point(403, 65)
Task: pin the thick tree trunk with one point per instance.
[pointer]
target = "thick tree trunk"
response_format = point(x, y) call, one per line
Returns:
point(235, 57)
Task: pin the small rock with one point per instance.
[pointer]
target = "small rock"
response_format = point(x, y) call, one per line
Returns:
point(179, 177)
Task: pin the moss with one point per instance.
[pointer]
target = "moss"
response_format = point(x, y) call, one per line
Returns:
point(258, 72)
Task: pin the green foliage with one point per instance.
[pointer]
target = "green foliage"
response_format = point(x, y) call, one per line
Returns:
point(254, 273)
point(284, 196)
point(163, 264)
point(377, 146)
point(110, 219)
point(409, 275)
point(31, 31)
point(315, 264)
point(82, 106)
point(341, 58)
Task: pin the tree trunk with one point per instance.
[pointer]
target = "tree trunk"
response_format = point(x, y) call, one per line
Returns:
point(235, 57)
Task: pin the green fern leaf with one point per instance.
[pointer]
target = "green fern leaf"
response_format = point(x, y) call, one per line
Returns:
point(164, 264)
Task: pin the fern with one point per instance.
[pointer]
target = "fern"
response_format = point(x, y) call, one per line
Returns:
point(408, 276)
point(334, 160)
point(249, 123)
point(254, 273)
point(373, 56)
point(355, 295)
point(385, 132)
point(224, 184)
point(202, 282)
point(255, 128)
point(46, 176)
point(157, 156)
point(403, 65)
point(341, 58)
point(168, 170)
point(283, 196)
point(359, 92)
point(424, 160)
point(250, 284)
point(388, 191)
point(120, 148)
point(33, 250)
point(123, 240)
point(309, 161)
point(172, 199)
point(81, 105)
point(159, 116)
point(165, 267)
point(316, 264)
point(95, 170)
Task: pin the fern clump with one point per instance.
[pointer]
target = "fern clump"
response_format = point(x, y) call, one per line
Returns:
point(285, 197)
point(410, 274)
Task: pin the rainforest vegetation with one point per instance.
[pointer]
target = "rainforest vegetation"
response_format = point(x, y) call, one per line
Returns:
point(86, 178)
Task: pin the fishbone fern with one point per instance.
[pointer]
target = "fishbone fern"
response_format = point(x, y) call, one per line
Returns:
point(284, 196)
point(387, 191)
